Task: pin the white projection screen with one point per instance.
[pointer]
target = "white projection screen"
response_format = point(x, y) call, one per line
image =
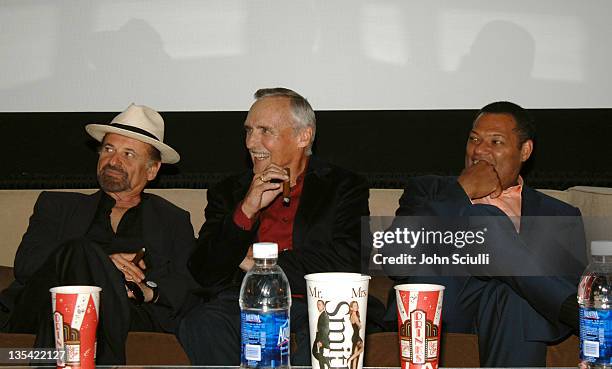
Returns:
point(196, 55)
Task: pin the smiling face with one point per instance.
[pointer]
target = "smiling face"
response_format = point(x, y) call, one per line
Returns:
point(320, 306)
point(270, 136)
point(124, 165)
point(494, 139)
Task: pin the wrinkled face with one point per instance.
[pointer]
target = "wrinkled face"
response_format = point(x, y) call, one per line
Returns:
point(320, 306)
point(493, 139)
point(124, 164)
point(270, 137)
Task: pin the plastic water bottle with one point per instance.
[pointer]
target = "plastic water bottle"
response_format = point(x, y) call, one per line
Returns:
point(595, 303)
point(265, 300)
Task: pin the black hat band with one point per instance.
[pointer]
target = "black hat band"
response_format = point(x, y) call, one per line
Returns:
point(135, 130)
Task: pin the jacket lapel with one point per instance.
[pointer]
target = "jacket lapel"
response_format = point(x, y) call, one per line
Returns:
point(242, 186)
point(152, 229)
point(85, 210)
point(530, 203)
point(311, 200)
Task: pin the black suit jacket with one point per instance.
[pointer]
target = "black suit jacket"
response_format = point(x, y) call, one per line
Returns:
point(326, 230)
point(322, 334)
point(62, 216)
point(540, 296)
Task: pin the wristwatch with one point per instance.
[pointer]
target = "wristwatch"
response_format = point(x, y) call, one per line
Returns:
point(152, 285)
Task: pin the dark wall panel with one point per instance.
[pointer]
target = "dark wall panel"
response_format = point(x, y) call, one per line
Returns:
point(52, 150)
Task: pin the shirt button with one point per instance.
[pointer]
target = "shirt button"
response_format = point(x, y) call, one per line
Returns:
point(285, 220)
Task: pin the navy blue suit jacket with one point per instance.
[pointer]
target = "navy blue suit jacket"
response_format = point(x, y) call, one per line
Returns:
point(540, 296)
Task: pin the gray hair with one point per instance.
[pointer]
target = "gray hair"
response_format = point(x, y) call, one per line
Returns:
point(303, 114)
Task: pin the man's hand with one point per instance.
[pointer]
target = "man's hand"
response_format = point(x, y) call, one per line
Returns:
point(262, 192)
point(131, 271)
point(248, 262)
point(480, 180)
point(146, 290)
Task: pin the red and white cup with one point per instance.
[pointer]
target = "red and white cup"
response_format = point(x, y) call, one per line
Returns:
point(419, 317)
point(75, 320)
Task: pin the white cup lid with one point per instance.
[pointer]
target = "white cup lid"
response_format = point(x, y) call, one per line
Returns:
point(75, 289)
point(265, 250)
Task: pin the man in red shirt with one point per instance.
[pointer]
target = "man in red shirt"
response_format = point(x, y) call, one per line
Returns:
point(318, 230)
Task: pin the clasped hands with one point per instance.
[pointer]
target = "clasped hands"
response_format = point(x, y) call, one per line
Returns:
point(133, 272)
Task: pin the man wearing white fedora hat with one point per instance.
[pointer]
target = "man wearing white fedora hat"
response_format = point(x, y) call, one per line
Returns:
point(132, 244)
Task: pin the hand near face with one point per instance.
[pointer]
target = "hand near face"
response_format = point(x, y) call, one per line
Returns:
point(262, 190)
point(480, 180)
point(131, 271)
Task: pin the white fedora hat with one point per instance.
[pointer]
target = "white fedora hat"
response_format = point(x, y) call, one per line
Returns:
point(141, 123)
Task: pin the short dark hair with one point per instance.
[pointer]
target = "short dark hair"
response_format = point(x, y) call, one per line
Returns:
point(525, 124)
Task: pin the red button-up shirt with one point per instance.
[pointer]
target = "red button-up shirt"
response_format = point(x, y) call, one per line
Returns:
point(276, 220)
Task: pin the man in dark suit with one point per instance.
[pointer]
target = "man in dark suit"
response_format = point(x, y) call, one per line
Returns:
point(515, 316)
point(317, 230)
point(321, 341)
point(93, 240)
